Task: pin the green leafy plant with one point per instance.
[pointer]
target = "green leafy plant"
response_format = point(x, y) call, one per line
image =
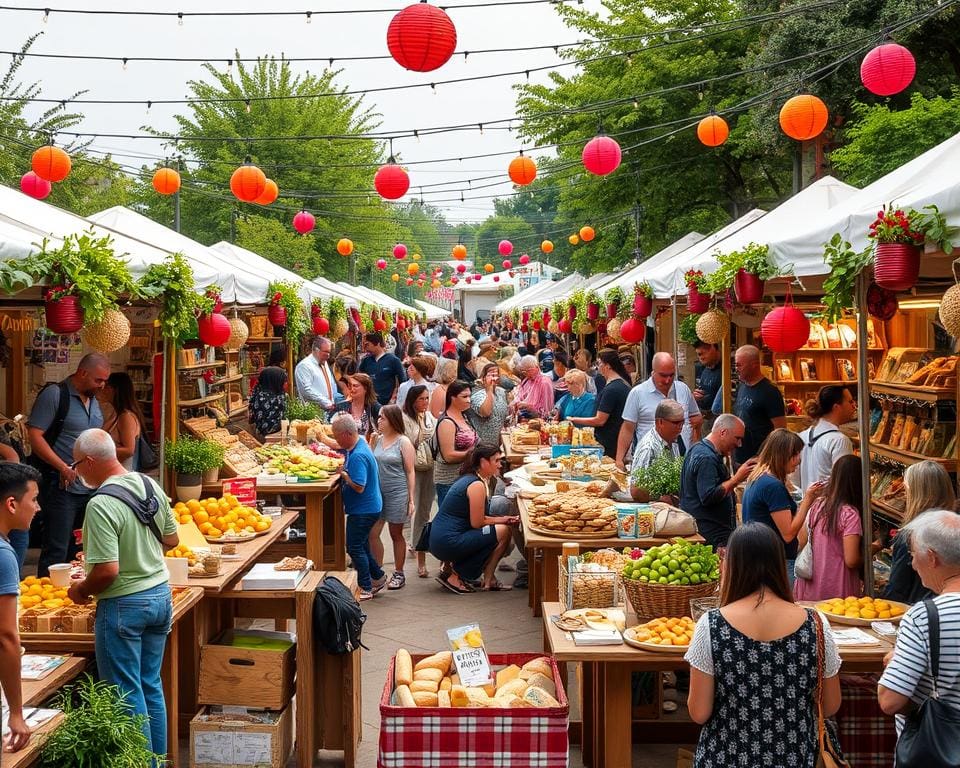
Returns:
point(752, 258)
point(615, 296)
point(84, 266)
point(845, 264)
point(912, 227)
point(687, 332)
point(13, 279)
point(299, 410)
point(287, 295)
point(661, 478)
point(172, 283)
point(98, 729)
point(935, 228)
point(644, 289)
point(190, 456)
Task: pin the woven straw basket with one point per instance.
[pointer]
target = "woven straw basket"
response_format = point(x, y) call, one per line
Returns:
point(110, 334)
point(650, 601)
point(713, 326)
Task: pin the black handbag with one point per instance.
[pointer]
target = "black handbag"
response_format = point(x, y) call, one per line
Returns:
point(423, 543)
point(931, 736)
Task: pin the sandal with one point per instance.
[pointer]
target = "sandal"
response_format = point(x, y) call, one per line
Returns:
point(445, 583)
point(496, 586)
point(397, 580)
point(422, 571)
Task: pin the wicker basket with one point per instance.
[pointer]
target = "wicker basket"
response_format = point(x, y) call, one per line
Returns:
point(652, 600)
point(589, 590)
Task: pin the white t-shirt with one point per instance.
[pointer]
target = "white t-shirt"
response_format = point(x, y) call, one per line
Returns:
point(816, 461)
point(642, 404)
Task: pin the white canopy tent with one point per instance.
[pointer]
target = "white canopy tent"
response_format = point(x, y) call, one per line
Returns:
point(348, 293)
point(928, 179)
point(626, 279)
point(234, 254)
point(541, 293)
point(587, 284)
point(522, 298)
point(378, 299)
point(432, 311)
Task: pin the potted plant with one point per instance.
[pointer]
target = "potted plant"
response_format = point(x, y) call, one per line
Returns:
point(642, 299)
point(190, 458)
point(899, 236)
point(318, 323)
point(614, 299)
point(98, 728)
point(337, 317)
point(286, 309)
point(660, 481)
point(698, 297)
point(838, 288)
point(172, 283)
point(687, 332)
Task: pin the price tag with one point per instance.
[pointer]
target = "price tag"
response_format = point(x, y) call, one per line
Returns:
point(244, 488)
point(469, 655)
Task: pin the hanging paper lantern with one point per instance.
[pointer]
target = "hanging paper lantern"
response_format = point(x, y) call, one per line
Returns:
point(321, 326)
point(573, 240)
point(587, 234)
point(632, 330)
point(395, 277)
point(381, 263)
point(435, 284)
point(248, 182)
point(419, 283)
point(785, 329)
point(507, 263)
point(344, 246)
point(488, 268)
point(524, 259)
point(546, 246)
point(391, 181)
point(803, 117)
point(459, 251)
point(522, 170)
point(416, 257)
point(421, 37)
point(409, 281)
point(496, 278)
point(887, 69)
point(34, 186)
point(166, 181)
point(505, 247)
point(454, 280)
point(270, 193)
point(399, 251)
point(412, 269)
point(478, 276)
point(713, 130)
point(461, 268)
point(469, 279)
point(239, 333)
point(304, 221)
point(51, 163)
point(601, 155)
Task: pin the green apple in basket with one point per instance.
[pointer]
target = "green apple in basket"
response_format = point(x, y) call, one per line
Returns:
point(680, 563)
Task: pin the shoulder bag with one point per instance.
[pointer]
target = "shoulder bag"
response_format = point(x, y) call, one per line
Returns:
point(931, 735)
point(828, 748)
point(803, 567)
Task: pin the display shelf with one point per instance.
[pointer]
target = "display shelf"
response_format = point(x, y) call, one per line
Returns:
point(226, 380)
point(906, 457)
point(263, 339)
point(199, 401)
point(200, 366)
point(239, 410)
point(913, 391)
point(886, 511)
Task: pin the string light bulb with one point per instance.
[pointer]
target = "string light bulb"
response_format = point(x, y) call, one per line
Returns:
point(247, 105)
point(180, 18)
point(124, 63)
point(309, 16)
point(46, 15)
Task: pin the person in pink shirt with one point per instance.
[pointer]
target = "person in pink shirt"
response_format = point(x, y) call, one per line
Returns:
point(533, 397)
point(835, 529)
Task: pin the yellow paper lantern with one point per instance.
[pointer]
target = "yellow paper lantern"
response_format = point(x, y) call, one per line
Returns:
point(395, 277)
point(573, 240)
point(412, 269)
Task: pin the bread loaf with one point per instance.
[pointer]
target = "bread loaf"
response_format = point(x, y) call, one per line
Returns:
point(443, 699)
point(424, 686)
point(490, 689)
point(405, 697)
point(539, 697)
point(507, 674)
point(477, 697)
point(540, 664)
point(446, 684)
point(424, 699)
point(440, 661)
point(435, 675)
point(402, 668)
point(515, 687)
point(536, 680)
point(458, 696)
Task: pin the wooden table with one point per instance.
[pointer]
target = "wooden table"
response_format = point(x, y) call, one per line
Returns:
point(30, 754)
point(542, 553)
point(325, 521)
point(514, 457)
point(606, 681)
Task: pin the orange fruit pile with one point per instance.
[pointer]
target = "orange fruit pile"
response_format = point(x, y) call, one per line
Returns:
point(223, 516)
point(861, 608)
point(664, 631)
point(34, 592)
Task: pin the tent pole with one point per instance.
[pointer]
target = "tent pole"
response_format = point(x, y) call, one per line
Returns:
point(863, 423)
point(676, 329)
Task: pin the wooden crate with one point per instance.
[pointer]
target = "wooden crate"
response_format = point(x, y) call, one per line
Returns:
point(246, 677)
point(231, 741)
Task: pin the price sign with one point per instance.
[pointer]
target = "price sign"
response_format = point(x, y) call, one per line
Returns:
point(469, 655)
point(244, 488)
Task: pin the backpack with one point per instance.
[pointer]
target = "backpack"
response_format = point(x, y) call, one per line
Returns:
point(337, 618)
point(52, 432)
point(143, 509)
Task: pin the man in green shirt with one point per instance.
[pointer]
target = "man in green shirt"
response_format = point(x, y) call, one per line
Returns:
point(125, 571)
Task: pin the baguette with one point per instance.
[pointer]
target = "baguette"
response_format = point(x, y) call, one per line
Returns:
point(402, 668)
point(434, 675)
point(405, 697)
point(439, 661)
point(424, 686)
point(424, 699)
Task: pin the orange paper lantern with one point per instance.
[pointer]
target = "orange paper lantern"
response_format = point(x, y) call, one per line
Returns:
point(522, 170)
point(344, 246)
point(488, 268)
point(803, 117)
point(166, 181)
point(412, 269)
point(51, 163)
point(713, 130)
point(248, 182)
point(459, 251)
point(587, 234)
point(573, 240)
point(546, 246)
point(270, 193)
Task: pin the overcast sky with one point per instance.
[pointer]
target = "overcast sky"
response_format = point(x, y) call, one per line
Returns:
point(352, 34)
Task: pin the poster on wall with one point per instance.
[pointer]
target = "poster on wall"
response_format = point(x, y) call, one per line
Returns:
point(53, 358)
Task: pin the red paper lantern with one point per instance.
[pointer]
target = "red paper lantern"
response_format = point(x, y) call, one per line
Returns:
point(459, 251)
point(565, 326)
point(461, 268)
point(399, 251)
point(785, 329)
point(587, 234)
point(522, 170)
point(633, 331)
point(409, 281)
point(803, 117)
point(469, 279)
point(379, 325)
point(51, 163)
point(507, 263)
point(496, 278)
point(505, 247)
point(34, 186)
point(546, 246)
point(601, 155)
point(304, 221)
point(713, 130)
point(321, 325)
point(166, 181)
point(391, 181)
point(421, 37)
point(524, 259)
point(213, 329)
point(344, 246)
point(381, 263)
point(887, 69)
point(248, 182)
point(270, 193)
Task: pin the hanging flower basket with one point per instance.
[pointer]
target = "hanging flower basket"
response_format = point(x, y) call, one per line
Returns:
point(697, 303)
point(593, 311)
point(642, 306)
point(748, 287)
point(612, 310)
point(896, 266)
point(64, 315)
point(277, 315)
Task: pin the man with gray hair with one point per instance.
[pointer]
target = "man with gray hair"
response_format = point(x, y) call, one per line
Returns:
point(706, 487)
point(662, 437)
point(533, 396)
point(128, 526)
point(60, 413)
point(315, 380)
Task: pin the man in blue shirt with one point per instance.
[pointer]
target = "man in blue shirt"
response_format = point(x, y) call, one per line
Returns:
point(19, 502)
point(383, 367)
point(362, 503)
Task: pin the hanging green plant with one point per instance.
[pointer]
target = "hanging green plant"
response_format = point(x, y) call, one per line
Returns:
point(687, 332)
point(286, 294)
point(171, 282)
point(644, 289)
point(845, 265)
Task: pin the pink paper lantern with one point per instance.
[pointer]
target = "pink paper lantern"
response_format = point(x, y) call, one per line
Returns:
point(496, 278)
point(461, 267)
point(887, 69)
point(381, 263)
point(34, 186)
point(391, 181)
point(399, 251)
point(601, 155)
point(303, 222)
point(505, 247)
point(524, 259)
point(507, 263)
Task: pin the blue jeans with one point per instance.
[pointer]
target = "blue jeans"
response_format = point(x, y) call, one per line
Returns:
point(791, 571)
point(19, 540)
point(130, 633)
point(358, 547)
point(442, 491)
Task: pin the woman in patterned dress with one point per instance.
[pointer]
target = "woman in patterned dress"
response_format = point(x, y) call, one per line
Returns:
point(753, 664)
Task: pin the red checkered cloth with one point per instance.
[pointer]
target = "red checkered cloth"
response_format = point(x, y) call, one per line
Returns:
point(867, 736)
point(431, 737)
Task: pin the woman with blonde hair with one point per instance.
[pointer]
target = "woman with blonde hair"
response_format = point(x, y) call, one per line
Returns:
point(445, 374)
point(767, 498)
point(577, 401)
point(927, 486)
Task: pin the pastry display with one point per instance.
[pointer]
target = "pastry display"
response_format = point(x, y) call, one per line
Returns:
point(577, 511)
point(291, 564)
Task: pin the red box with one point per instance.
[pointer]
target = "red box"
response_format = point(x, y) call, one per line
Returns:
point(475, 737)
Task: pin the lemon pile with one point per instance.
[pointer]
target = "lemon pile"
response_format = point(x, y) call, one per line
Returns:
point(34, 592)
point(182, 550)
point(861, 608)
point(664, 631)
point(221, 517)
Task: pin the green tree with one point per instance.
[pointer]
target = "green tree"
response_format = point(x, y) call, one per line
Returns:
point(276, 241)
